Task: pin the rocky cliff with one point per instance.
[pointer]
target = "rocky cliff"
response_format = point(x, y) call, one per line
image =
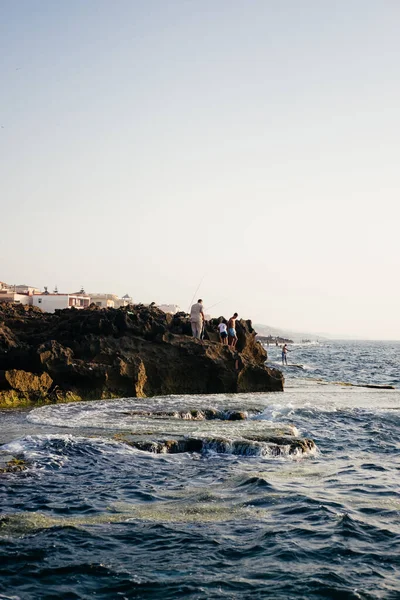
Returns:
point(134, 351)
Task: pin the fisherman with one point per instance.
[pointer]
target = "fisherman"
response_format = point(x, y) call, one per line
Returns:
point(197, 318)
point(284, 354)
point(223, 332)
point(232, 337)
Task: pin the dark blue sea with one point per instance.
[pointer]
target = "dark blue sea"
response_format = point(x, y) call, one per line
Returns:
point(92, 517)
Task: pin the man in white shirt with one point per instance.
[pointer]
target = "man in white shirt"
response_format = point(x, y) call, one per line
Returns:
point(197, 318)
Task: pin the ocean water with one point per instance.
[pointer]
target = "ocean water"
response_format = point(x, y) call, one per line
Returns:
point(93, 517)
point(376, 363)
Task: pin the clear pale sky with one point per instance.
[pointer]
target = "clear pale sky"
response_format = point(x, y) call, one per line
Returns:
point(145, 145)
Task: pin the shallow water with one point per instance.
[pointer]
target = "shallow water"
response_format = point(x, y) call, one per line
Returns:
point(94, 517)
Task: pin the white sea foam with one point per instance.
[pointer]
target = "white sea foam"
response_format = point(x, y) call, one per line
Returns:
point(250, 448)
point(55, 450)
point(124, 414)
point(32, 449)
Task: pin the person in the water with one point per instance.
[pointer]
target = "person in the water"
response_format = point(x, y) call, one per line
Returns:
point(284, 354)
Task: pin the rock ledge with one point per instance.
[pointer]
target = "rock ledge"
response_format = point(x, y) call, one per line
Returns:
point(135, 351)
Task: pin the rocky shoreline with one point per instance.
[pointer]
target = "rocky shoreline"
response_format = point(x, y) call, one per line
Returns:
point(135, 351)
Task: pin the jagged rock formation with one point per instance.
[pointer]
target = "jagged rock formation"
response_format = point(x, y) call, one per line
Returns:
point(208, 414)
point(22, 381)
point(247, 445)
point(134, 351)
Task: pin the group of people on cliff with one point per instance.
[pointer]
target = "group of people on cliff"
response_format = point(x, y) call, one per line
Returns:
point(227, 332)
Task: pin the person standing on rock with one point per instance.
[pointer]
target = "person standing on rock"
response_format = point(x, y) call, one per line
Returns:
point(223, 332)
point(232, 337)
point(197, 318)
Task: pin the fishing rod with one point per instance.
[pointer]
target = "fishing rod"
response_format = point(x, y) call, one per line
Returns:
point(216, 304)
point(194, 295)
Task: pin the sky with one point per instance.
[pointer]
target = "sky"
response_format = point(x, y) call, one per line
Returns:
point(245, 152)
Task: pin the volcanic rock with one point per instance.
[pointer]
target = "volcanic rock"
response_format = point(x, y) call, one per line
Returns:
point(134, 351)
point(272, 445)
point(11, 464)
point(22, 381)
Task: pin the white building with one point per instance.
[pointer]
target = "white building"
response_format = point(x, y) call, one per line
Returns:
point(51, 302)
point(104, 300)
point(110, 300)
point(7, 295)
point(170, 308)
point(26, 289)
point(19, 289)
point(124, 301)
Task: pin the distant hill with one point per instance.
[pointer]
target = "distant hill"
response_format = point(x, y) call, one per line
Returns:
point(296, 336)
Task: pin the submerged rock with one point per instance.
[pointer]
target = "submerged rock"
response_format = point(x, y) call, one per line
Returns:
point(11, 464)
point(266, 445)
point(206, 414)
point(136, 351)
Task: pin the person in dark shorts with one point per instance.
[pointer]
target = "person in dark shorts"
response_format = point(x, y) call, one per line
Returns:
point(223, 332)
